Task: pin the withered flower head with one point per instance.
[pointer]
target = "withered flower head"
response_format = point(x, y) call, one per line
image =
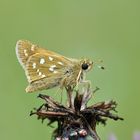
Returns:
point(76, 121)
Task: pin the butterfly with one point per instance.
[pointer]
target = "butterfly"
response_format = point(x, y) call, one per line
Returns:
point(45, 69)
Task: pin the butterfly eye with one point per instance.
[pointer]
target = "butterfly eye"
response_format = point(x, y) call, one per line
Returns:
point(84, 66)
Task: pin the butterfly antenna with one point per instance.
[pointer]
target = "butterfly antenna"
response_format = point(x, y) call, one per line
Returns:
point(99, 66)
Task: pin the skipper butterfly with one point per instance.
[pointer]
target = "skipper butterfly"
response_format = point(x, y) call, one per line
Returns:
point(46, 69)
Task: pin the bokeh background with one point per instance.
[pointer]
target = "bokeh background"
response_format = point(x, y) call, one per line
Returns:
point(105, 29)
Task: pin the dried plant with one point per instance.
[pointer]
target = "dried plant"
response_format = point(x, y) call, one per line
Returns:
point(77, 120)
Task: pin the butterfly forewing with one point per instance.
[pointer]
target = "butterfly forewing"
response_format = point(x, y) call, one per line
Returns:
point(25, 49)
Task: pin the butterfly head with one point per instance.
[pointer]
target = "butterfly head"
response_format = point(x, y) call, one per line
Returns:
point(86, 64)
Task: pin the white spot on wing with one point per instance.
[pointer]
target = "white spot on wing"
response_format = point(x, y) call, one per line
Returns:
point(34, 65)
point(42, 61)
point(37, 70)
point(32, 47)
point(40, 74)
point(50, 58)
point(25, 52)
point(51, 69)
point(55, 71)
point(60, 63)
point(53, 66)
point(43, 75)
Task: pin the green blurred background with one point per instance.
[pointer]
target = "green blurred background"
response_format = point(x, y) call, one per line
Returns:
point(105, 29)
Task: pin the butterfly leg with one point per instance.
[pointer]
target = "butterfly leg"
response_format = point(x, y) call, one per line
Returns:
point(87, 84)
point(88, 91)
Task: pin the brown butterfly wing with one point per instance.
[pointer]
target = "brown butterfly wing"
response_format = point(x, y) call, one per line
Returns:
point(25, 49)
